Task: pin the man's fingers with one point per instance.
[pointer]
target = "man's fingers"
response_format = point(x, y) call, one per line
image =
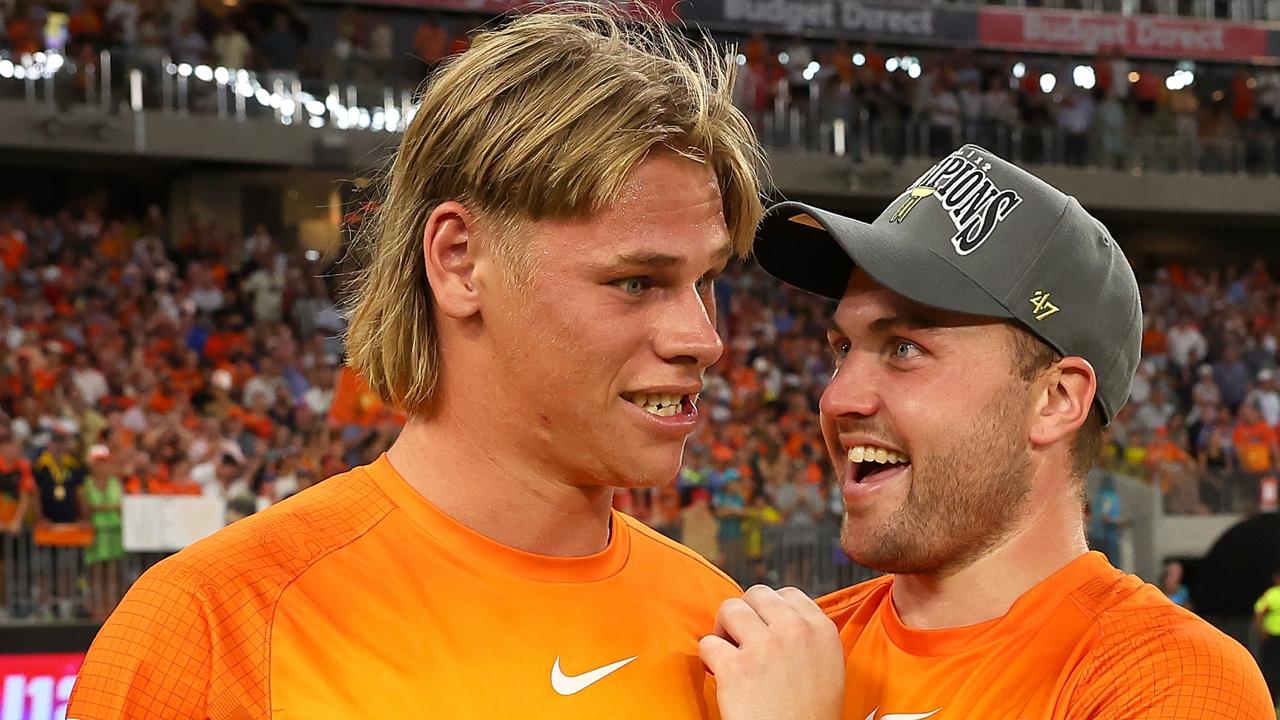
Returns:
point(772, 608)
point(737, 621)
point(803, 604)
point(715, 652)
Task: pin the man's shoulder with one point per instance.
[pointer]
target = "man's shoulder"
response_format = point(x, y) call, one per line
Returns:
point(843, 606)
point(1145, 650)
point(260, 555)
point(684, 562)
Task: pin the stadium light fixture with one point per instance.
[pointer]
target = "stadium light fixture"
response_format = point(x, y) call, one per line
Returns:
point(204, 73)
point(1019, 69)
point(1084, 77)
point(1134, 76)
point(914, 71)
point(1048, 82)
point(184, 69)
point(316, 122)
point(315, 107)
point(741, 59)
point(859, 59)
point(222, 75)
point(6, 68)
point(811, 70)
point(891, 64)
point(19, 72)
point(783, 57)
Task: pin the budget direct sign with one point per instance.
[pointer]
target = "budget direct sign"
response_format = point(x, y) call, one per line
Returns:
point(882, 20)
point(37, 687)
point(1143, 36)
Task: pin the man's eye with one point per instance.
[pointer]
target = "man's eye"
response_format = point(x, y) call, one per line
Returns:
point(905, 350)
point(632, 286)
point(840, 348)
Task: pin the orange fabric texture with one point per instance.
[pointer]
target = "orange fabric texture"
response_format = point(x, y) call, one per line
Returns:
point(357, 598)
point(1088, 643)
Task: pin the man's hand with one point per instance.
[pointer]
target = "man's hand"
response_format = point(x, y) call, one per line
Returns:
point(775, 656)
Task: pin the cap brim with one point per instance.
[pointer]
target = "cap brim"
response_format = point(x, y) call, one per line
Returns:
point(816, 250)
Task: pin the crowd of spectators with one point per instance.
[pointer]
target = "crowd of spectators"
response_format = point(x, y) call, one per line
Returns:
point(1104, 110)
point(1202, 420)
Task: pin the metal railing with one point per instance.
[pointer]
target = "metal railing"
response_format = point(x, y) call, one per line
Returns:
point(826, 119)
point(106, 83)
point(44, 583)
point(836, 123)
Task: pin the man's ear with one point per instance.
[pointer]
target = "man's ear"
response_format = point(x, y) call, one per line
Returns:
point(449, 252)
point(1064, 400)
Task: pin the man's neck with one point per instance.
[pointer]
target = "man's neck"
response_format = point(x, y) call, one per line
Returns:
point(986, 588)
point(490, 489)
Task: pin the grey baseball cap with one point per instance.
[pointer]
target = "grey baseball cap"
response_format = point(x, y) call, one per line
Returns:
point(979, 235)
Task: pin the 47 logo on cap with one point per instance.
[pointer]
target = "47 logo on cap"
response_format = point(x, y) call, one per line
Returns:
point(972, 201)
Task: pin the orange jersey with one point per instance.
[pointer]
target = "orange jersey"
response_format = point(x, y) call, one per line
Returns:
point(357, 598)
point(1088, 643)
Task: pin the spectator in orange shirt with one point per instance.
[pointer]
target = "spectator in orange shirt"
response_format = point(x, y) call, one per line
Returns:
point(1257, 448)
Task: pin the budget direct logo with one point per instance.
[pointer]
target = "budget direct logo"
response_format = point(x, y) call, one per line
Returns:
point(37, 687)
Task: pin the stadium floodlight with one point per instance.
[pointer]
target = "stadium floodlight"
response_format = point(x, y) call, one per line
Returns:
point(742, 59)
point(363, 119)
point(313, 255)
point(393, 120)
point(171, 69)
point(1019, 69)
point(204, 73)
point(1048, 82)
point(859, 59)
point(6, 68)
point(1134, 76)
point(287, 106)
point(222, 75)
point(811, 70)
point(315, 107)
point(19, 72)
point(783, 57)
point(39, 58)
point(316, 122)
point(891, 64)
point(184, 69)
point(1084, 77)
point(914, 71)
point(263, 97)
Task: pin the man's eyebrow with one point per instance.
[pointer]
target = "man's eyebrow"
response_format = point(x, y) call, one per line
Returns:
point(912, 320)
point(661, 260)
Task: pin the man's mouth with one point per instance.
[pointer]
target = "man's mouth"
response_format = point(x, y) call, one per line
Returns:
point(663, 404)
point(869, 461)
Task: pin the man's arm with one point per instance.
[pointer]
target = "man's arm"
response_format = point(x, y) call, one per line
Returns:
point(775, 656)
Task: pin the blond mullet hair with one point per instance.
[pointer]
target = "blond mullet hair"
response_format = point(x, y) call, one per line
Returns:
point(544, 118)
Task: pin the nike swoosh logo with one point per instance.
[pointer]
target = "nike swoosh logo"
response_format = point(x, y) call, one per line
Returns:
point(571, 684)
point(901, 716)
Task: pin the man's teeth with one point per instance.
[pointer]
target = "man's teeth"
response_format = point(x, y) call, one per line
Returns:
point(660, 404)
point(870, 453)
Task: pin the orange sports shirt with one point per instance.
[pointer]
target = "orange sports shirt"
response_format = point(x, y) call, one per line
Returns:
point(1088, 643)
point(359, 599)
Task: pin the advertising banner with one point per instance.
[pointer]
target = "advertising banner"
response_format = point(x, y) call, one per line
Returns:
point(37, 687)
point(1133, 36)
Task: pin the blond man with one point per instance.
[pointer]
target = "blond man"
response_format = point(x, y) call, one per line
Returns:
point(538, 301)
